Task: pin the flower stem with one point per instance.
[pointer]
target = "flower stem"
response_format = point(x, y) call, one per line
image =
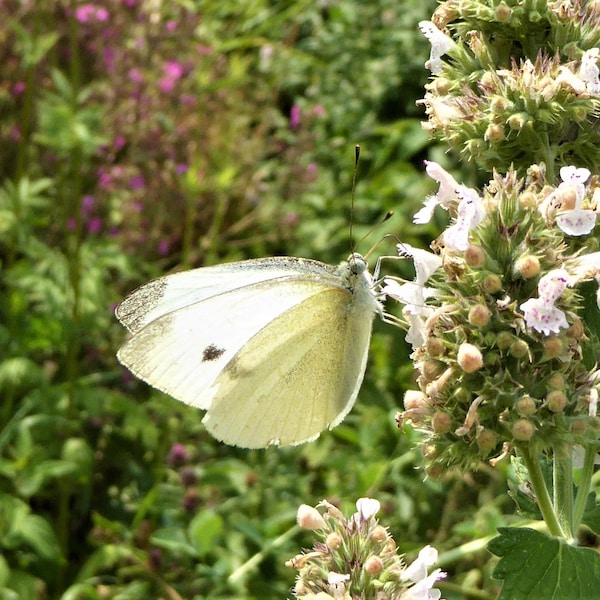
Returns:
point(563, 487)
point(585, 483)
point(541, 491)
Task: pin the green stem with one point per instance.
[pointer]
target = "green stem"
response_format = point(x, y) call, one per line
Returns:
point(585, 484)
point(562, 468)
point(541, 491)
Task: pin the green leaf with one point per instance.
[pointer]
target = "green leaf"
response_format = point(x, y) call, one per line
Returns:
point(204, 530)
point(535, 566)
point(173, 540)
point(38, 533)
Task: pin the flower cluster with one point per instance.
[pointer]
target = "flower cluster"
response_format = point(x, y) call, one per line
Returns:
point(499, 102)
point(357, 559)
point(498, 317)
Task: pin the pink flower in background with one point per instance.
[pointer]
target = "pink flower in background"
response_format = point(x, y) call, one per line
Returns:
point(94, 225)
point(163, 247)
point(319, 110)
point(87, 203)
point(18, 88)
point(295, 114)
point(173, 69)
point(135, 75)
point(87, 13)
point(137, 182)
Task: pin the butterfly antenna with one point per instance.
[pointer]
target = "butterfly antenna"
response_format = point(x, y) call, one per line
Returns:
point(354, 174)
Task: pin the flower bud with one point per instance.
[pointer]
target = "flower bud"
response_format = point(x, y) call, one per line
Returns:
point(526, 406)
point(523, 430)
point(528, 200)
point(553, 347)
point(435, 346)
point(334, 541)
point(527, 266)
point(309, 518)
point(414, 399)
point(556, 401)
point(519, 349)
point(502, 13)
point(474, 256)
point(504, 340)
point(578, 427)
point(494, 133)
point(373, 565)
point(431, 369)
point(441, 422)
point(469, 358)
point(556, 381)
point(379, 534)
point(486, 441)
point(479, 315)
point(492, 283)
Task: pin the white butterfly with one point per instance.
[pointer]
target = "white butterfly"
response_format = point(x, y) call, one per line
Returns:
point(274, 349)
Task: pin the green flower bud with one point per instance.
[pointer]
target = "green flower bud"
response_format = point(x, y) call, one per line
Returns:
point(553, 347)
point(486, 441)
point(556, 401)
point(519, 349)
point(523, 430)
point(492, 283)
point(556, 381)
point(504, 339)
point(526, 406)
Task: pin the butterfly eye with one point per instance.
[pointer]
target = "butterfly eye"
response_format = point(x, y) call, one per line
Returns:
point(357, 263)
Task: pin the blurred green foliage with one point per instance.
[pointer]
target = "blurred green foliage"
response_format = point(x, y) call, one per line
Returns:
point(140, 138)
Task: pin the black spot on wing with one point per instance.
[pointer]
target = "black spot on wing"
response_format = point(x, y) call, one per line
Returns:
point(211, 353)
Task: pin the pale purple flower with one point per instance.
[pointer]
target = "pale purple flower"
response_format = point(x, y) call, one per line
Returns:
point(540, 313)
point(470, 214)
point(575, 221)
point(588, 71)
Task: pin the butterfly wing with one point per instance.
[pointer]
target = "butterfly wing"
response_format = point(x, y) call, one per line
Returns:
point(273, 358)
point(296, 377)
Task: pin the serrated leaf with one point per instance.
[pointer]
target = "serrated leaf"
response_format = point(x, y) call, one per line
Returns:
point(535, 566)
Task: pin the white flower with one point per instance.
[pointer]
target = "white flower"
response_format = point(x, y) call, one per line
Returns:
point(446, 194)
point(310, 518)
point(540, 313)
point(367, 508)
point(575, 221)
point(426, 263)
point(414, 294)
point(440, 45)
point(588, 71)
point(417, 572)
point(470, 214)
point(337, 583)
